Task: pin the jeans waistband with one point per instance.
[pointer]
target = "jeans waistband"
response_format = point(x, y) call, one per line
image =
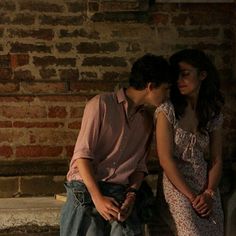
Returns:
point(114, 190)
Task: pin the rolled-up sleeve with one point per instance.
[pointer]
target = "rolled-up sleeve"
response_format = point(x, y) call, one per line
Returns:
point(89, 131)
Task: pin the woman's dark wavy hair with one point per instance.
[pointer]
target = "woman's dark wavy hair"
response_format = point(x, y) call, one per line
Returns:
point(210, 99)
point(149, 68)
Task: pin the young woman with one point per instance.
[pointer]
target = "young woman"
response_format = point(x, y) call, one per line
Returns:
point(188, 129)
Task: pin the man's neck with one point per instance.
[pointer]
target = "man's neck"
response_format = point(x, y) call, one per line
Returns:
point(134, 97)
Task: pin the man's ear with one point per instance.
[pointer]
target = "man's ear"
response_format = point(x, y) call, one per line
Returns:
point(203, 75)
point(150, 86)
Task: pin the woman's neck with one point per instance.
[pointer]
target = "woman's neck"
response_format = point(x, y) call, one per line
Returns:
point(192, 101)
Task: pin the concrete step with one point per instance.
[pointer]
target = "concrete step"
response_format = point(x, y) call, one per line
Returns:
point(34, 216)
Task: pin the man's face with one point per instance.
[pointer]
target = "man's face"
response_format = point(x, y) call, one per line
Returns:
point(158, 95)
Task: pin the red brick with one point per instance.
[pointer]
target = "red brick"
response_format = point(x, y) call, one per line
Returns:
point(43, 87)
point(89, 86)
point(93, 6)
point(57, 112)
point(59, 137)
point(46, 34)
point(69, 74)
point(19, 60)
point(46, 73)
point(51, 60)
point(65, 98)
point(198, 32)
point(64, 47)
point(115, 76)
point(76, 112)
point(86, 47)
point(123, 16)
point(161, 19)
point(23, 111)
point(76, 6)
point(38, 151)
point(5, 61)
point(79, 33)
point(6, 151)
point(9, 87)
point(11, 136)
point(23, 19)
point(74, 125)
point(219, 8)
point(16, 98)
point(5, 124)
point(23, 75)
point(88, 75)
point(41, 6)
point(6, 5)
point(180, 19)
point(27, 47)
point(23, 124)
point(104, 61)
point(210, 18)
point(1, 32)
point(5, 18)
point(5, 73)
point(61, 20)
point(213, 46)
point(69, 151)
point(108, 6)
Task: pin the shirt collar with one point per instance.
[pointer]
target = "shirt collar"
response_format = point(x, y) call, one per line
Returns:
point(121, 97)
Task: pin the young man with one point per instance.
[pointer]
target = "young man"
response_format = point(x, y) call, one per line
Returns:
point(109, 160)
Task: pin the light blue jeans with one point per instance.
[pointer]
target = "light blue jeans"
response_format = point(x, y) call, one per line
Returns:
point(79, 217)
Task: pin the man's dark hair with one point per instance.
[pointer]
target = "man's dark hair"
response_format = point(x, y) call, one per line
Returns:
point(149, 69)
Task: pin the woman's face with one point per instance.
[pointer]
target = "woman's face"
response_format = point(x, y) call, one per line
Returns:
point(189, 80)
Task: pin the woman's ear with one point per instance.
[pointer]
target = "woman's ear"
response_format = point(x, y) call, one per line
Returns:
point(203, 75)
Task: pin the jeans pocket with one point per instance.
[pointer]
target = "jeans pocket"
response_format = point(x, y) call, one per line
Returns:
point(78, 197)
point(81, 197)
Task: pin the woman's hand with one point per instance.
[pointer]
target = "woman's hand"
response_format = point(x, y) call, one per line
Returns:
point(202, 204)
point(107, 207)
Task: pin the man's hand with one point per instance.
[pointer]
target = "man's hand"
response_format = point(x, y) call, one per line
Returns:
point(127, 206)
point(107, 207)
point(203, 204)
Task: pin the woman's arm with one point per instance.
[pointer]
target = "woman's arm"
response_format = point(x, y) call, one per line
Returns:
point(214, 173)
point(165, 145)
point(203, 202)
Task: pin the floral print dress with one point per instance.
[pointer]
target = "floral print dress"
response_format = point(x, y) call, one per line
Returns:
point(189, 150)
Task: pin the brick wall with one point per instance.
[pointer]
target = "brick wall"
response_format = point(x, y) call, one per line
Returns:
point(57, 54)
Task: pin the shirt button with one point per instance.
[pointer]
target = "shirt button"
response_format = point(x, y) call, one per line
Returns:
point(114, 163)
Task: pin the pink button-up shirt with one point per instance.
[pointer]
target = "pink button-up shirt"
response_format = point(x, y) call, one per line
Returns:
point(116, 144)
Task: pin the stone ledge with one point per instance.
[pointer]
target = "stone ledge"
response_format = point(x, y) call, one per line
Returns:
point(25, 212)
point(33, 167)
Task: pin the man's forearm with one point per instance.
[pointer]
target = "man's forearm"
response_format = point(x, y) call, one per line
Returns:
point(87, 174)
